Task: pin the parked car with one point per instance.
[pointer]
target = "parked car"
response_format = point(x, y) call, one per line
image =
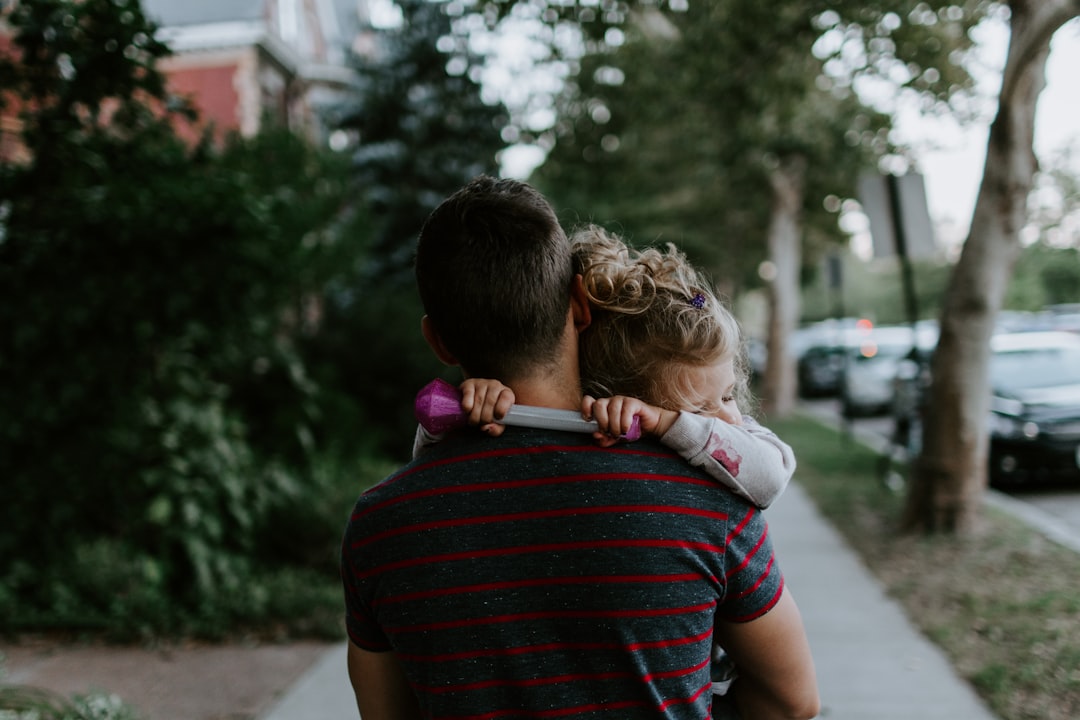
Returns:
point(1035, 408)
point(820, 369)
point(867, 385)
point(821, 352)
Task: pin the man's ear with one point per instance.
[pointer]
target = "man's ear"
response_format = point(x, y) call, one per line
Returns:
point(435, 342)
point(579, 304)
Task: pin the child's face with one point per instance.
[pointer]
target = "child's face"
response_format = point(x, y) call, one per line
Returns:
point(712, 390)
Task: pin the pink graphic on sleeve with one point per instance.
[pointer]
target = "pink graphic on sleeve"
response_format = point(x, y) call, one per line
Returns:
point(725, 454)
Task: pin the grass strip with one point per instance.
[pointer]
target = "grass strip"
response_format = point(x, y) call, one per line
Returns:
point(1002, 603)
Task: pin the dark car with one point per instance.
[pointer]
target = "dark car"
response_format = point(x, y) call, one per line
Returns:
point(820, 369)
point(1035, 408)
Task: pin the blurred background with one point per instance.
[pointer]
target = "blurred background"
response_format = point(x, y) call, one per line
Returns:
point(208, 330)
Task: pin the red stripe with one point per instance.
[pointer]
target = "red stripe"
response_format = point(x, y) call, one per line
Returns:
point(519, 451)
point(534, 582)
point(752, 589)
point(742, 526)
point(591, 707)
point(556, 647)
point(561, 712)
point(557, 679)
point(764, 609)
point(531, 482)
point(749, 557)
point(534, 682)
point(538, 515)
point(549, 547)
point(548, 615)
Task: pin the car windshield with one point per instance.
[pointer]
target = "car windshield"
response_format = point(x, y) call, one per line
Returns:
point(1036, 368)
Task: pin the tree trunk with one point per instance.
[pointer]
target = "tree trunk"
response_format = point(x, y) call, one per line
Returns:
point(949, 478)
point(787, 179)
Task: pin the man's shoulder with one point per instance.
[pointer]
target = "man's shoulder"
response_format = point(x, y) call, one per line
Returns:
point(572, 452)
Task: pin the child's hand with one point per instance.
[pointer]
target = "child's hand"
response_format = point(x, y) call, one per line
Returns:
point(615, 415)
point(485, 402)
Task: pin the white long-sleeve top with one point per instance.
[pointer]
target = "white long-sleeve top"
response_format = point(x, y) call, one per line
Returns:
point(749, 458)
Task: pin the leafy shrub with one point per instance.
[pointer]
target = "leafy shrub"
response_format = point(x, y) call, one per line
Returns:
point(22, 703)
point(156, 294)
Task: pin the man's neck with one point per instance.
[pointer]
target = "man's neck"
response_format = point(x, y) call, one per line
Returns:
point(563, 393)
point(541, 394)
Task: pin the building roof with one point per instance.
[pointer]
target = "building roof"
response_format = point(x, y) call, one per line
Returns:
point(177, 13)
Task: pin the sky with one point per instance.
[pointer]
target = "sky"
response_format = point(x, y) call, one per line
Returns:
point(951, 156)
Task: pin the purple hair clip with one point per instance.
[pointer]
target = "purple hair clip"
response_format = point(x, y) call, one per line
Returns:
point(698, 301)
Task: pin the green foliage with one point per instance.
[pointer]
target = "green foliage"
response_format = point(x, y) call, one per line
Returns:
point(874, 289)
point(23, 703)
point(162, 412)
point(1044, 275)
point(74, 58)
point(1015, 639)
point(424, 128)
point(424, 131)
point(370, 349)
point(672, 135)
point(670, 132)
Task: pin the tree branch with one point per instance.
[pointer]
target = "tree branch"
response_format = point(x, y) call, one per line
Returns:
point(1047, 19)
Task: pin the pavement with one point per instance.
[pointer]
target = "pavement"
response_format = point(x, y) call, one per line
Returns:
point(872, 663)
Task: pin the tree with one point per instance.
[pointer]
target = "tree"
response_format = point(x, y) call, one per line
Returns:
point(768, 130)
point(151, 291)
point(950, 475)
point(424, 128)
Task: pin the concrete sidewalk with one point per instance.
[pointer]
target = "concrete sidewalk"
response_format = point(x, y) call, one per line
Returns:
point(871, 662)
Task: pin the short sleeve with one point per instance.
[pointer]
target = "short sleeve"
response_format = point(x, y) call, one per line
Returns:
point(753, 581)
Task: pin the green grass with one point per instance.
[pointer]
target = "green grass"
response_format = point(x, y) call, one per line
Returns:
point(20, 703)
point(1002, 604)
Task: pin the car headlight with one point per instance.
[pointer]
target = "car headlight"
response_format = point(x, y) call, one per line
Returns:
point(1008, 426)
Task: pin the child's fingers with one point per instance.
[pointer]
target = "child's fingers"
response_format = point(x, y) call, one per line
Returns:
point(620, 415)
point(493, 429)
point(483, 410)
point(503, 402)
point(604, 440)
point(599, 413)
point(485, 401)
point(614, 415)
point(627, 411)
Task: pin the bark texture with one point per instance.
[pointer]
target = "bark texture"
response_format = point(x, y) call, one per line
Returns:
point(788, 181)
point(950, 477)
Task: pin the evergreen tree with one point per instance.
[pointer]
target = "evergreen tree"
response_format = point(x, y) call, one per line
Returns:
point(424, 128)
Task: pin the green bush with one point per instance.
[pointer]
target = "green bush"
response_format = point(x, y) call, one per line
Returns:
point(159, 414)
point(21, 703)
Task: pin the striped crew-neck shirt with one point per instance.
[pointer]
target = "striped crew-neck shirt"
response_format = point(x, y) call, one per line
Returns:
point(536, 575)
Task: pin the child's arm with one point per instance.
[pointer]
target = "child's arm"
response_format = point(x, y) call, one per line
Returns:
point(615, 416)
point(748, 458)
point(484, 401)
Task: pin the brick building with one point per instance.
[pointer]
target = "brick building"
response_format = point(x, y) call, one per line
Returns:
point(248, 62)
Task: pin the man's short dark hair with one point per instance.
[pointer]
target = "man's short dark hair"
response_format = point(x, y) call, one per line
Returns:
point(493, 268)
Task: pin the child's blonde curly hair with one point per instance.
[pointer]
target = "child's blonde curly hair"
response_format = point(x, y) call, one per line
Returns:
point(654, 317)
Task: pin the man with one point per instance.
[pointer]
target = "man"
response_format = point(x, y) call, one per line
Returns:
point(535, 574)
